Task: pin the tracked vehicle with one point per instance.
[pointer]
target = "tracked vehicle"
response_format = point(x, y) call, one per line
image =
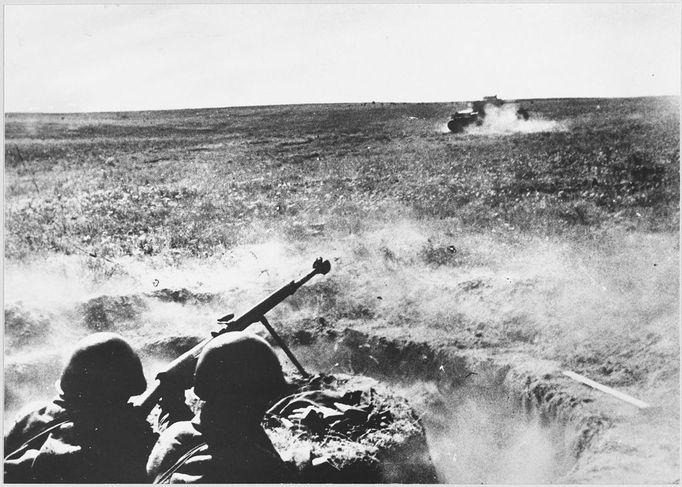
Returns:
point(475, 114)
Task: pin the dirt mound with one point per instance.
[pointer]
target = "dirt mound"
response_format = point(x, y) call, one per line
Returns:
point(24, 326)
point(170, 347)
point(183, 296)
point(108, 313)
point(348, 429)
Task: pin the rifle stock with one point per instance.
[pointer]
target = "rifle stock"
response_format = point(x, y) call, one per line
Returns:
point(179, 373)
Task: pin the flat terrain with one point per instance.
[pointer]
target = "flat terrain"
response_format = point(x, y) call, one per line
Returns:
point(555, 239)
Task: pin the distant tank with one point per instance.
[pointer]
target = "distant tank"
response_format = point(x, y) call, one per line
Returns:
point(475, 114)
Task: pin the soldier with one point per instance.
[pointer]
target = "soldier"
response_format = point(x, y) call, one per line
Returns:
point(89, 433)
point(237, 375)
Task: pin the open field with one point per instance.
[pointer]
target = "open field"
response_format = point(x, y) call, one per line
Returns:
point(548, 247)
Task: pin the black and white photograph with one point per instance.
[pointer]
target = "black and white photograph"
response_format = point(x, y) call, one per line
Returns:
point(341, 243)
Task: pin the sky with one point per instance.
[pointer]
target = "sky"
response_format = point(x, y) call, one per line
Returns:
point(79, 58)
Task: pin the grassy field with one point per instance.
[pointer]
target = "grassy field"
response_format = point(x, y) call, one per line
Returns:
point(559, 238)
point(200, 181)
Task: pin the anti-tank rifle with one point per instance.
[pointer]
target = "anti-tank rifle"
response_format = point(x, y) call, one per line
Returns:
point(177, 376)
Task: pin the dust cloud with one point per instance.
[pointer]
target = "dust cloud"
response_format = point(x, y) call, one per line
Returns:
point(408, 262)
point(556, 297)
point(70, 279)
point(557, 293)
point(503, 120)
point(475, 433)
point(481, 437)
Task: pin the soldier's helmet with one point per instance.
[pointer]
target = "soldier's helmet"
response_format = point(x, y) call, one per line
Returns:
point(103, 368)
point(238, 366)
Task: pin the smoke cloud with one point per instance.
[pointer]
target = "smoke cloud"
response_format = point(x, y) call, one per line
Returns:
point(504, 120)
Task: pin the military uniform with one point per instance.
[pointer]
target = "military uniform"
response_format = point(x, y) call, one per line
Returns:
point(86, 446)
point(89, 434)
point(237, 375)
point(233, 456)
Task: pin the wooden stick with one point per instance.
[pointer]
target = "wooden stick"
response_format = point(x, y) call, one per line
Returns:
point(620, 395)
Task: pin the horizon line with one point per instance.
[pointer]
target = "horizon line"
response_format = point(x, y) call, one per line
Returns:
point(178, 109)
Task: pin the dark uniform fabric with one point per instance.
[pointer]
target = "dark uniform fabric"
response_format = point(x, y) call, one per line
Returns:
point(95, 445)
point(233, 454)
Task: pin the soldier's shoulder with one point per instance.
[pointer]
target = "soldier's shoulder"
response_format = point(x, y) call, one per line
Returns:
point(171, 445)
point(176, 438)
point(31, 418)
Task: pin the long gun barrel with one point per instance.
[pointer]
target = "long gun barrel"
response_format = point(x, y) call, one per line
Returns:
point(179, 373)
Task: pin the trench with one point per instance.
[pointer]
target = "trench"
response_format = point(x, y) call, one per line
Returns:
point(483, 423)
point(485, 420)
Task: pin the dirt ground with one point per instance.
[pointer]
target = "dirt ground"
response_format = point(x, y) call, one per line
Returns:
point(469, 270)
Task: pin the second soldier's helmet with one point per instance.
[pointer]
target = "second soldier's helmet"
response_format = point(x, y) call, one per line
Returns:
point(103, 368)
point(238, 365)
